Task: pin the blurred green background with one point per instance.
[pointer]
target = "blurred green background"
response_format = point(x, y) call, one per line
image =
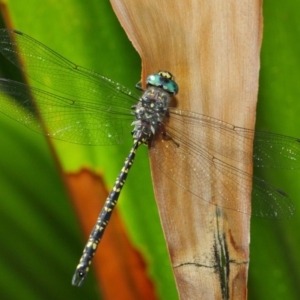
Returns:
point(274, 257)
point(40, 238)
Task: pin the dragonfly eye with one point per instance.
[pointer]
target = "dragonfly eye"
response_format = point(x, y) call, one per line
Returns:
point(163, 79)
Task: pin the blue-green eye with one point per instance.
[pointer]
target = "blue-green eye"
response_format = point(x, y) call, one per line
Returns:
point(164, 80)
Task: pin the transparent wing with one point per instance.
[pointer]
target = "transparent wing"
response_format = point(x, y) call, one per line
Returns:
point(62, 118)
point(205, 152)
point(56, 72)
point(89, 108)
point(235, 143)
point(276, 151)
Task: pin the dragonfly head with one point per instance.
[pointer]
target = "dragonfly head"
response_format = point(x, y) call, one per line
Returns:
point(163, 79)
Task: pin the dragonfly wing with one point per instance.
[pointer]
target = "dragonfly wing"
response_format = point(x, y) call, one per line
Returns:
point(212, 180)
point(56, 72)
point(64, 118)
point(235, 143)
point(276, 151)
point(190, 151)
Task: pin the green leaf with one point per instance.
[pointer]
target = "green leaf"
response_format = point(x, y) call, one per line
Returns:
point(88, 34)
point(38, 228)
point(275, 245)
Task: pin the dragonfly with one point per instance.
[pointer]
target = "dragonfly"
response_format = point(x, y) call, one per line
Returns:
point(88, 108)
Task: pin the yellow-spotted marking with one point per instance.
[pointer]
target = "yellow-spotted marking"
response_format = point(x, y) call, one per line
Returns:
point(149, 112)
point(102, 221)
point(165, 74)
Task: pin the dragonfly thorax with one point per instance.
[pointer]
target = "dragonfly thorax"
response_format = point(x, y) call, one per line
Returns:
point(150, 112)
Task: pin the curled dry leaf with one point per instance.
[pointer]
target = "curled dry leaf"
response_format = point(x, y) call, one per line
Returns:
point(212, 48)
